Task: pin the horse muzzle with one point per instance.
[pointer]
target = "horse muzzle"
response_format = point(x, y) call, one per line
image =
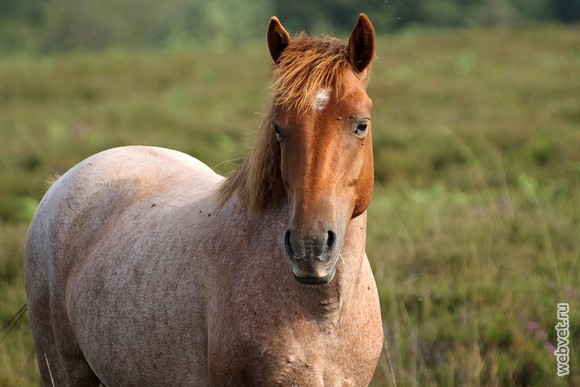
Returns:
point(312, 255)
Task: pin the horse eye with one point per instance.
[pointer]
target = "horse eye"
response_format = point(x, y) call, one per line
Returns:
point(361, 129)
point(279, 136)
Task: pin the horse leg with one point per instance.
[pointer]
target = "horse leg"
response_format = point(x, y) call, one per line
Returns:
point(59, 357)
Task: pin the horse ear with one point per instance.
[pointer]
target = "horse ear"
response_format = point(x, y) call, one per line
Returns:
point(361, 45)
point(278, 38)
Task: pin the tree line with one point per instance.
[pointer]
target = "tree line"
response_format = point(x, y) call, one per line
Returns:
point(44, 26)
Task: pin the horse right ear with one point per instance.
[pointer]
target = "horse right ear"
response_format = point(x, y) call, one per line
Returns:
point(278, 38)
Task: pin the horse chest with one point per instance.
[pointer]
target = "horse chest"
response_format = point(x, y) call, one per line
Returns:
point(287, 357)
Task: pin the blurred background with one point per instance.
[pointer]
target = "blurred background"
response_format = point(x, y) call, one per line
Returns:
point(474, 227)
point(36, 26)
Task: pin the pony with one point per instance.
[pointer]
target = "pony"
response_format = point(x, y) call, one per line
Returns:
point(145, 267)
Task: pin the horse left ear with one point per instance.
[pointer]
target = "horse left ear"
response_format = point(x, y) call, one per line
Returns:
point(361, 45)
point(278, 38)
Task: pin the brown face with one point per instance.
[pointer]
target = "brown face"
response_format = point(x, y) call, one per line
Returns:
point(327, 169)
point(326, 160)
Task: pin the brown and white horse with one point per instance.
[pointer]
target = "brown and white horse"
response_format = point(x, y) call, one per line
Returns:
point(144, 267)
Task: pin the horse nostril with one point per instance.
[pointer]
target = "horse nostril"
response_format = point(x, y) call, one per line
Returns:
point(330, 240)
point(287, 245)
point(298, 246)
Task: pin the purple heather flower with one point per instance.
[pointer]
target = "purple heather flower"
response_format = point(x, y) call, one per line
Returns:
point(541, 335)
point(533, 325)
point(550, 347)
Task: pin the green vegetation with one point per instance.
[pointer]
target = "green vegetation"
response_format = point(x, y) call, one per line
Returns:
point(473, 230)
point(38, 27)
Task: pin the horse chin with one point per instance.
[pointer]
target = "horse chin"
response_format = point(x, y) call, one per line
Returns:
point(316, 280)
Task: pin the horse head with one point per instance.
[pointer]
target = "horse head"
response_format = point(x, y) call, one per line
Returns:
point(321, 119)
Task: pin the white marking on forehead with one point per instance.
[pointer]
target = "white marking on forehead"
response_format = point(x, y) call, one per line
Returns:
point(321, 99)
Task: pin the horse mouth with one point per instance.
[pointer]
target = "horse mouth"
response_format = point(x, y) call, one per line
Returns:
point(313, 278)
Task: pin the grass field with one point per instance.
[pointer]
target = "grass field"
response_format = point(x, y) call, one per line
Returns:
point(475, 224)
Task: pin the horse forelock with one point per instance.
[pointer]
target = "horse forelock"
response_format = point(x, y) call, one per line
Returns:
point(307, 66)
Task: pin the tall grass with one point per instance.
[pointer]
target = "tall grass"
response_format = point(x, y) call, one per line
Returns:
point(473, 230)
